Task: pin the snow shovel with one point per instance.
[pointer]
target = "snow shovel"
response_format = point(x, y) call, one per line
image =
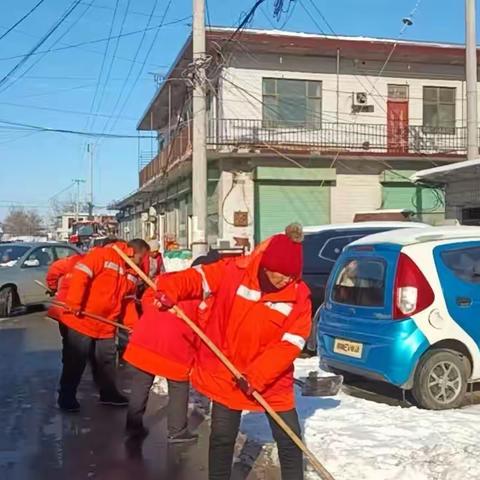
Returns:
point(315, 386)
point(320, 469)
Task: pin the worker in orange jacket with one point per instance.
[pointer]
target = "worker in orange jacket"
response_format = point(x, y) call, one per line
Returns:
point(163, 345)
point(98, 285)
point(58, 280)
point(260, 318)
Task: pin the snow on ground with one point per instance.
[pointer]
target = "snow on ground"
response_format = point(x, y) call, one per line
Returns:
point(365, 440)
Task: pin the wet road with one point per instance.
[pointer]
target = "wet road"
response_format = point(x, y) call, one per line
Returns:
point(39, 442)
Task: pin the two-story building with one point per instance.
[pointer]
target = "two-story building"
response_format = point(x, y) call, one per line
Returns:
point(301, 127)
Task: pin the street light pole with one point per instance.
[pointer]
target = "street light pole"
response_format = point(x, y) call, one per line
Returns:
point(199, 150)
point(471, 79)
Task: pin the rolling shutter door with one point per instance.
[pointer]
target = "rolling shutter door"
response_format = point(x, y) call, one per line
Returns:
point(278, 204)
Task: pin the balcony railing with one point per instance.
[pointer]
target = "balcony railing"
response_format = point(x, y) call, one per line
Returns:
point(355, 137)
point(178, 148)
point(360, 138)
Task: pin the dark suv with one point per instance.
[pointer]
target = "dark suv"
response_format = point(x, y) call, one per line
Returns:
point(324, 244)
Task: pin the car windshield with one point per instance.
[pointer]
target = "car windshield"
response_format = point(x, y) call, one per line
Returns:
point(85, 230)
point(9, 254)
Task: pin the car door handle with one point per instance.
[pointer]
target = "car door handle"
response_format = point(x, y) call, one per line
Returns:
point(464, 301)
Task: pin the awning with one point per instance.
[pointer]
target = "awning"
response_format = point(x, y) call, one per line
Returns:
point(453, 172)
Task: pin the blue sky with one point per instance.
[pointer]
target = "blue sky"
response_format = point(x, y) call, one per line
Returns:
point(57, 92)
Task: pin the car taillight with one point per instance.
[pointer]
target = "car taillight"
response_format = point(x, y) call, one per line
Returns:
point(412, 292)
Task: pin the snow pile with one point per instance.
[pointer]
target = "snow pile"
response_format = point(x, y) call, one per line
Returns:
point(364, 440)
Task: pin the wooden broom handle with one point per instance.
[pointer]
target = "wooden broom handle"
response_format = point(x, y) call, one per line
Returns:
point(321, 470)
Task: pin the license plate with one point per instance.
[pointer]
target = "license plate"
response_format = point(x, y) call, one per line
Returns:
point(345, 347)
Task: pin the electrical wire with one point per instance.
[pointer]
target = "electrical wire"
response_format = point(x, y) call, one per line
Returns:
point(49, 33)
point(26, 126)
point(38, 60)
point(130, 71)
point(100, 73)
point(99, 40)
point(18, 22)
point(140, 71)
point(112, 60)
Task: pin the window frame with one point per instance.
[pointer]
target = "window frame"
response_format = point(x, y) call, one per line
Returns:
point(312, 120)
point(438, 129)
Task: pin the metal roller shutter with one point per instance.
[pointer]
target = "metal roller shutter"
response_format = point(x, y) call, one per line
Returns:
point(279, 203)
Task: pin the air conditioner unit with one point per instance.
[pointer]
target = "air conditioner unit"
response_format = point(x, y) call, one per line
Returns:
point(360, 98)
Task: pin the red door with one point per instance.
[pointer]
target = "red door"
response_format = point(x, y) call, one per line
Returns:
point(397, 126)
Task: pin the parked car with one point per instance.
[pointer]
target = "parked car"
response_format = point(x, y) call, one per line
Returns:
point(403, 307)
point(22, 263)
point(321, 248)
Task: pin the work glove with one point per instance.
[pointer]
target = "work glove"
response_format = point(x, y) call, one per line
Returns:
point(163, 301)
point(50, 293)
point(244, 385)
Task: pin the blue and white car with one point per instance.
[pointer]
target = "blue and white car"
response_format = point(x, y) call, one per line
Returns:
point(404, 307)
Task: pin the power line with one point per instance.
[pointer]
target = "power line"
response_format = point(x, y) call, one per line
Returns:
point(22, 19)
point(26, 127)
point(112, 60)
point(139, 47)
point(140, 71)
point(98, 40)
point(50, 32)
point(104, 59)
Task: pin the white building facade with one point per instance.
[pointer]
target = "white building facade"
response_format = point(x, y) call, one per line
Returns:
point(301, 128)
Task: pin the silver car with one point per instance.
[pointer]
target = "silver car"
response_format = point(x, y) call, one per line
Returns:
point(20, 265)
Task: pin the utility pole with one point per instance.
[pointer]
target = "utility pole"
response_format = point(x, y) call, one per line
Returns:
point(77, 182)
point(471, 79)
point(199, 149)
point(90, 197)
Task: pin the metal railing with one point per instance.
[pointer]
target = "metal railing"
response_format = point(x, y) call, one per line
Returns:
point(351, 137)
point(395, 139)
point(179, 146)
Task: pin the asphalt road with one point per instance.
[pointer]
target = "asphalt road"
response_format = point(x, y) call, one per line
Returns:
point(38, 442)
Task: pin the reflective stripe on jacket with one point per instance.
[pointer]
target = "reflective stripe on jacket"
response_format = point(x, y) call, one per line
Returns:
point(98, 285)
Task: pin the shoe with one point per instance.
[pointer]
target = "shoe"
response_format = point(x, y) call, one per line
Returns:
point(68, 403)
point(184, 436)
point(114, 400)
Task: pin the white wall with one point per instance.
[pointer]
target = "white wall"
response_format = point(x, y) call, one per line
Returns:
point(354, 193)
point(363, 78)
point(240, 198)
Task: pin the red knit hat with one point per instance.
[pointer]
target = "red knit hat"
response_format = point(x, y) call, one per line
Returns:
point(284, 253)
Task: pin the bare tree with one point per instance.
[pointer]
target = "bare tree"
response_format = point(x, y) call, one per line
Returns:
point(23, 222)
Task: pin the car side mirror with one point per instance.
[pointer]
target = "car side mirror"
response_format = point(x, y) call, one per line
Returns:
point(31, 263)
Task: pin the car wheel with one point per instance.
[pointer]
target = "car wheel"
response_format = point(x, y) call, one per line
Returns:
point(8, 300)
point(440, 380)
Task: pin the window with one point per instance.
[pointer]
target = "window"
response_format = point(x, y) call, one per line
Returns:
point(333, 247)
point(464, 263)
point(439, 109)
point(10, 254)
point(63, 252)
point(360, 282)
point(40, 257)
point(292, 103)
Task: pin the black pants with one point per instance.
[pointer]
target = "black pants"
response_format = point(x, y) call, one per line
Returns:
point(177, 409)
point(224, 431)
point(77, 350)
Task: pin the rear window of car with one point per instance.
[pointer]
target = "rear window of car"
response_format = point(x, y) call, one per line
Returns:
point(321, 250)
point(360, 282)
point(464, 263)
point(9, 254)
